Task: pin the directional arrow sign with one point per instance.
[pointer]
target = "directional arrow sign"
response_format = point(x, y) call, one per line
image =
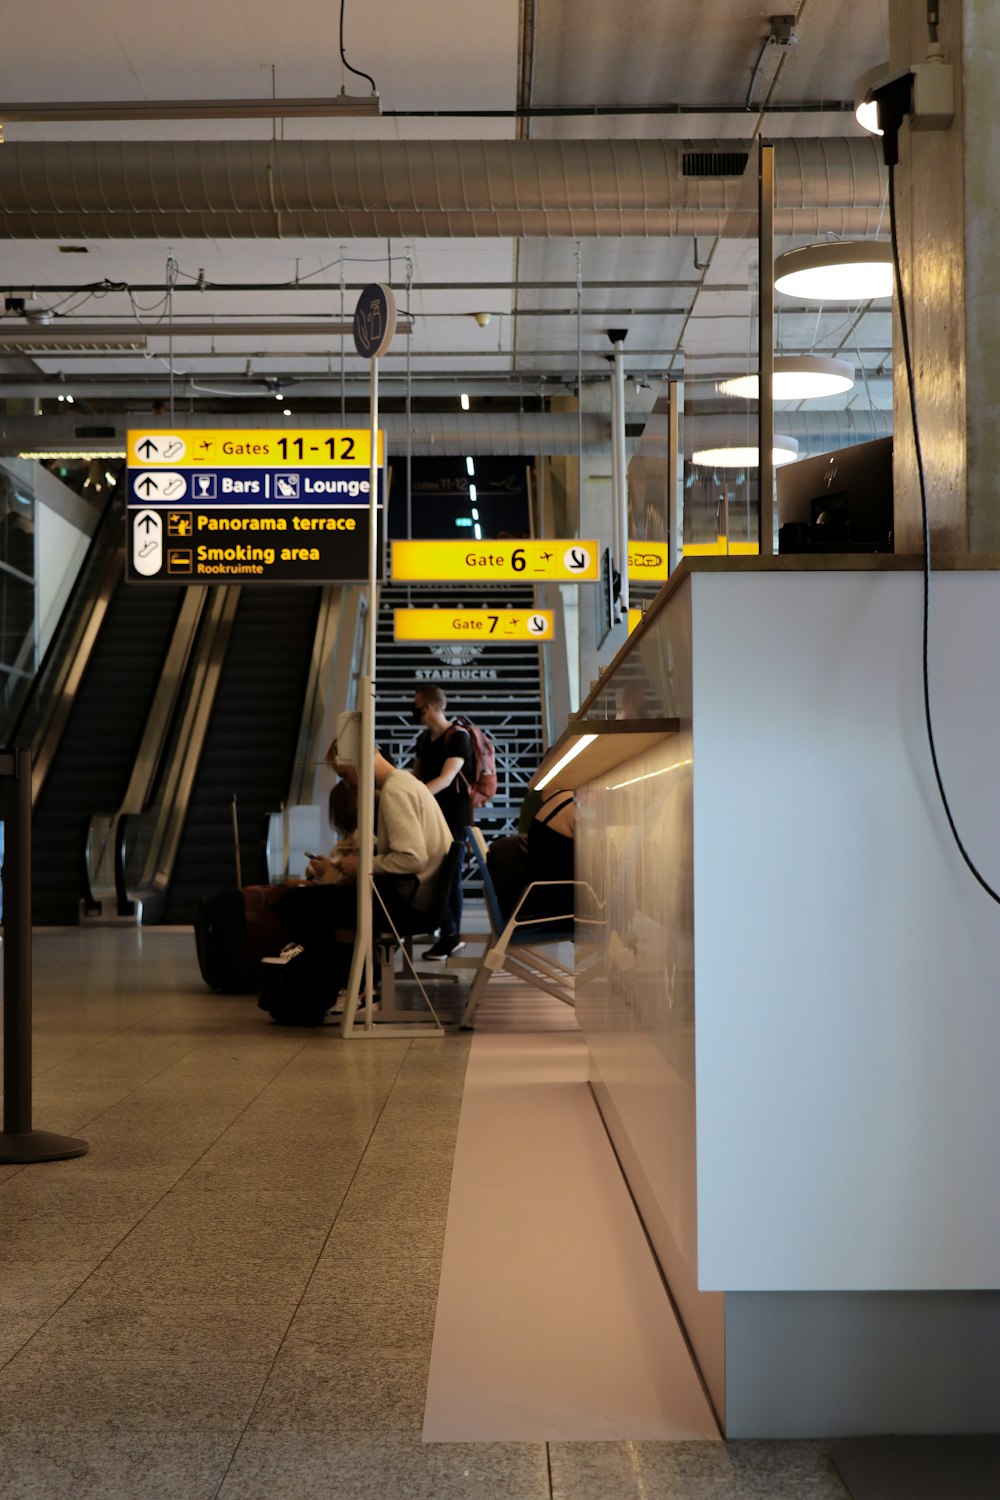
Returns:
point(163, 484)
point(495, 626)
point(147, 543)
point(564, 561)
point(159, 448)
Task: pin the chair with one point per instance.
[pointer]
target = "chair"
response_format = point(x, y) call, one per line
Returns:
point(516, 946)
point(418, 923)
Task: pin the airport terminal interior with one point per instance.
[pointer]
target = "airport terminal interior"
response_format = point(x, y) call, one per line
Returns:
point(352, 352)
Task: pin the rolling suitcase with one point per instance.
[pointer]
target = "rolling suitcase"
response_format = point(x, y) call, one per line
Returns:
point(235, 929)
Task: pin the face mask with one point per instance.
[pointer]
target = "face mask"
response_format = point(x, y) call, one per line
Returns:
point(417, 714)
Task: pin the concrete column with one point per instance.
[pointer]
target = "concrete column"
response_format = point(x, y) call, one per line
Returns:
point(948, 206)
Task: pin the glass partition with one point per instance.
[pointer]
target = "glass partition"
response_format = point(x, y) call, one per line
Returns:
point(721, 343)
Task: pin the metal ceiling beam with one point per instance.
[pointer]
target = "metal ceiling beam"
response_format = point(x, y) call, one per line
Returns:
point(340, 105)
point(63, 330)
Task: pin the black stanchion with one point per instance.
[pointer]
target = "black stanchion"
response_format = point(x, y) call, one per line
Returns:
point(19, 1144)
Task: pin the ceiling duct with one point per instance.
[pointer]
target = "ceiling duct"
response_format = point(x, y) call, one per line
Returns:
point(814, 431)
point(432, 433)
point(438, 189)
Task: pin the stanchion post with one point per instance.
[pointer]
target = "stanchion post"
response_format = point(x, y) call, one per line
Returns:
point(19, 1144)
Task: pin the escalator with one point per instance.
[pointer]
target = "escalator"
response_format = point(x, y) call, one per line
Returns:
point(249, 746)
point(97, 748)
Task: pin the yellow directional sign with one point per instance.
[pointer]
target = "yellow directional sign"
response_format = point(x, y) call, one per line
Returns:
point(493, 625)
point(563, 561)
point(634, 616)
point(721, 547)
point(254, 448)
point(647, 562)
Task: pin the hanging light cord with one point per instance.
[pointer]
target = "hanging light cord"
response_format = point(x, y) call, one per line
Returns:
point(904, 330)
point(343, 56)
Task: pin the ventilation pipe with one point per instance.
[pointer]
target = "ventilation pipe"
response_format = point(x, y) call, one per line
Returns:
point(555, 433)
point(171, 190)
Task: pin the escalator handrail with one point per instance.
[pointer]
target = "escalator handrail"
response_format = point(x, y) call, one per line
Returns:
point(59, 656)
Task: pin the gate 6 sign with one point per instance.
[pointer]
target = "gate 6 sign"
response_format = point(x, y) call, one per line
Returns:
point(565, 561)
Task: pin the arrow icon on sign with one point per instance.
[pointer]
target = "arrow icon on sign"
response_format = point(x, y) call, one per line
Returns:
point(150, 484)
point(577, 559)
point(147, 522)
point(148, 448)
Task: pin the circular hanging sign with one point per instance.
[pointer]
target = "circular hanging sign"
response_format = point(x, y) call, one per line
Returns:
point(374, 320)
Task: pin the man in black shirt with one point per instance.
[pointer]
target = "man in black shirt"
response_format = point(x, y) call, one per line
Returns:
point(445, 764)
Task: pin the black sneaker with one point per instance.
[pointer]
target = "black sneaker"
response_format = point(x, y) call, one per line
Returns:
point(443, 948)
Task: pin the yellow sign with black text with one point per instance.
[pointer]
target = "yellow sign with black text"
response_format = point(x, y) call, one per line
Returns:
point(565, 561)
point(647, 562)
point(251, 447)
point(497, 626)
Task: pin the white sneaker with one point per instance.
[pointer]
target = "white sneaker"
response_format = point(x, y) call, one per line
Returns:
point(288, 952)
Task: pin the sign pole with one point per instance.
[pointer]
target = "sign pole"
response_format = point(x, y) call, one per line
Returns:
point(374, 325)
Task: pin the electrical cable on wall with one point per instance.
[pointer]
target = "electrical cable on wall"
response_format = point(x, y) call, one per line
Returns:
point(343, 56)
point(907, 360)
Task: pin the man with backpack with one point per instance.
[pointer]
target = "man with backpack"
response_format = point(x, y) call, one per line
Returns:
point(445, 763)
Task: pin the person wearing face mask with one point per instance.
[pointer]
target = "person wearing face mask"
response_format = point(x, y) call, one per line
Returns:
point(446, 765)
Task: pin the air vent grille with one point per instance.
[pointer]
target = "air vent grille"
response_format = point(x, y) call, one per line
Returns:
point(713, 163)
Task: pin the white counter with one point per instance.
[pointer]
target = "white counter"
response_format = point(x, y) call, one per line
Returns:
point(792, 993)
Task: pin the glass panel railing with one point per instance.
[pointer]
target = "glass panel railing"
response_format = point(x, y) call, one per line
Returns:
point(32, 693)
point(721, 350)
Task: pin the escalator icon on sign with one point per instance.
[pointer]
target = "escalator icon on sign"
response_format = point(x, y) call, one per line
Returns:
point(576, 559)
point(147, 543)
point(164, 448)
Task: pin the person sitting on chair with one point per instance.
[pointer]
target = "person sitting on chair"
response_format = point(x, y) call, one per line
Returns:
point(412, 839)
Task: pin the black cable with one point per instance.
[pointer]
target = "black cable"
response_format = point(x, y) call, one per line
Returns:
point(905, 332)
point(343, 57)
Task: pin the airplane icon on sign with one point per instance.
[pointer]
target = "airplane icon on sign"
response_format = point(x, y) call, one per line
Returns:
point(546, 556)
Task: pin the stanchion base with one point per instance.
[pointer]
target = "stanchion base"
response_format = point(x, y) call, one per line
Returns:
point(27, 1146)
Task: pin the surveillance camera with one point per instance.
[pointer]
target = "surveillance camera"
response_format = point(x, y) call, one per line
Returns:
point(482, 318)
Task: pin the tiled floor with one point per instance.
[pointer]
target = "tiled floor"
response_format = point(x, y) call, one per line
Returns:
point(234, 1293)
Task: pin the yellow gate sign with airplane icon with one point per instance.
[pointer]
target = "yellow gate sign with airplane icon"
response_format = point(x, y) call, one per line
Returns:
point(498, 626)
point(251, 447)
point(556, 561)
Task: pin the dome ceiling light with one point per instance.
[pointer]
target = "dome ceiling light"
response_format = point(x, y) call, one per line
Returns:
point(842, 271)
point(797, 377)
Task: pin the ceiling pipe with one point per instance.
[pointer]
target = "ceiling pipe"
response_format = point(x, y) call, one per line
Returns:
point(377, 189)
point(527, 433)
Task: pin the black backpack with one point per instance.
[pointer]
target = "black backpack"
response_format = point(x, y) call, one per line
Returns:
point(297, 993)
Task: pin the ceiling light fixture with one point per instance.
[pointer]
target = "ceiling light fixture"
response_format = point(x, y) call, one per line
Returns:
point(470, 467)
point(464, 399)
point(785, 450)
point(46, 453)
point(797, 377)
point(841, 271)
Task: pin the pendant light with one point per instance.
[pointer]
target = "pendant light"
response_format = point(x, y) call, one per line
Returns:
point(784, 450)
point(797, 377)
point(841, 271)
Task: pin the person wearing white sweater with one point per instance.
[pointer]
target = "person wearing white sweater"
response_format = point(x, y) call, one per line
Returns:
point(412, 837)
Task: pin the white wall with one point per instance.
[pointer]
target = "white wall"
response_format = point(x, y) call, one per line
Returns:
point(847, 964)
